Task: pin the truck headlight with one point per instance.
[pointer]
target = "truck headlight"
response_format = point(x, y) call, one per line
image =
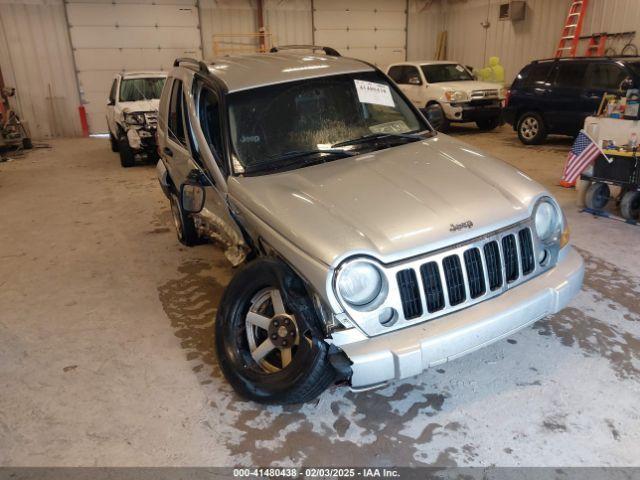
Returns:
point(548, 221)
point(134, 118)
point(456, 96)
point(360, 283)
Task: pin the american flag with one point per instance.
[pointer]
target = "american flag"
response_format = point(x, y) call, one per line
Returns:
point(583, 152)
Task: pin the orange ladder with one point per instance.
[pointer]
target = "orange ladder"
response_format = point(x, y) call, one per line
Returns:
point(570, 35)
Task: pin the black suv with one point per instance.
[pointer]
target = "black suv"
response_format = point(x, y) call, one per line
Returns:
point(556, 95)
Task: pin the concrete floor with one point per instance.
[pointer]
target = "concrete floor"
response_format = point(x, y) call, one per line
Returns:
point(106, 354)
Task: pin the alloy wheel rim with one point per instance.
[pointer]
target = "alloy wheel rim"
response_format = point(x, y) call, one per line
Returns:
point(529, 128)
point(272, 333)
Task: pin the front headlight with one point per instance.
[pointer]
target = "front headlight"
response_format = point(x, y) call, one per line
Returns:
point(456, 96)
point(134, 118)
point(360, 283)
point(548, 221)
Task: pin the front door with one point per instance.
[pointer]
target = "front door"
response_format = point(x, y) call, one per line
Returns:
point(566, 112)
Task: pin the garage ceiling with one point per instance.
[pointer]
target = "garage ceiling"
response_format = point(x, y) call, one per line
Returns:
point(135, 35)
point(374, 31)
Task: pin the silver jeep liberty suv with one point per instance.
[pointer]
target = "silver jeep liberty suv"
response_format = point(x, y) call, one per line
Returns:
point(368, 246)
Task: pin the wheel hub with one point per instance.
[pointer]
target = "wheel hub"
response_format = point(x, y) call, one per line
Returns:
point(282, 331)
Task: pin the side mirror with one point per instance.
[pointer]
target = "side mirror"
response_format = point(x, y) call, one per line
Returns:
point(111, 102)
point(414, 81)
point(192, 194)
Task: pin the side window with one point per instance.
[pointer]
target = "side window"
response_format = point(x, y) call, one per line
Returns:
point(112, 93)
point(571, 74)
point(175, 125)
point(605, 76)
point(536, 74)
point(396, 73)
point(412, 76)
point(209, 113)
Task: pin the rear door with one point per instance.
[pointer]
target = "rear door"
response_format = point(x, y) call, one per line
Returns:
point(410, 81)
point(601, 78)
point(566, 113)
point(113, 94)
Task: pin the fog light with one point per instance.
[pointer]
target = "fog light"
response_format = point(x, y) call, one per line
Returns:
point(543, 255)
point(387, 317)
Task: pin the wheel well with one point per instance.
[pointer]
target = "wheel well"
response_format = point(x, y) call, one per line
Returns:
point(432, 102)
point(522, 111)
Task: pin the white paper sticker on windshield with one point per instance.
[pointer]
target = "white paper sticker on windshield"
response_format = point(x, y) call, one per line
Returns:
point(460, 68)
point(375, 93)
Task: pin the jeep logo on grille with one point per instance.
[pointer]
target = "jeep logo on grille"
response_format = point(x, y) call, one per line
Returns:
point(456, 227)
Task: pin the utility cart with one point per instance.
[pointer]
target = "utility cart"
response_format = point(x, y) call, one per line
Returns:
point(621, 170)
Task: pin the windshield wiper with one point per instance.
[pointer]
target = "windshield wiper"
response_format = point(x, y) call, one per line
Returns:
point(379, 136)
point(293, 156)
point(306, 153)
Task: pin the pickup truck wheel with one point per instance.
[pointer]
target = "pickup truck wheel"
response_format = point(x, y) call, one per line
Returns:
point(488, 124)
point(435, 115)
point(630, 206)
point(127, 158)
point(531, 128)
point(597, 196)
point(268, 344)
point(114, 143)
point(185, 227)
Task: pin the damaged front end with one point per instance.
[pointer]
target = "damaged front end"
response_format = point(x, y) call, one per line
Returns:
point(141, 130)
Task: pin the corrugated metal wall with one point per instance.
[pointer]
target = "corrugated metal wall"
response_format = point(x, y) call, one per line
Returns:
point(35, 54)
point(519, 42)
point(288, 21)
point(516, 43)
point(35, 57)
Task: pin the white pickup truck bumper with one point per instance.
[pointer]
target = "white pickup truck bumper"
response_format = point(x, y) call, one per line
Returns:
point(408, 352)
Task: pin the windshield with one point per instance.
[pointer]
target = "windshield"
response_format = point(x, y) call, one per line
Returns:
point(448, 72)
point(134, 89)
point(274, 123)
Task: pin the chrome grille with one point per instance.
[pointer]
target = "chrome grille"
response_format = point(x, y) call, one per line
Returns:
point(482, 94)
point(473, 273)
point(429, 286)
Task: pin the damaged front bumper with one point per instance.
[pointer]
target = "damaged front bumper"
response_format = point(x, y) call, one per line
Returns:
point(405, 353)
point(142, 137)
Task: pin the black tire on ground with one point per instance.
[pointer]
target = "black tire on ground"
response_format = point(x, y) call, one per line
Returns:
point(630, 206)
point(597, 196)
point(185, 227)
point(488, 123)
point(437, 119)
point(127, 158)
point(309, 372)
point(114, 143)
point(531, 128)
point(27, 144)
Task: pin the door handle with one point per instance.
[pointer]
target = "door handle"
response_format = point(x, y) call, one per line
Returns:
point(168, 152)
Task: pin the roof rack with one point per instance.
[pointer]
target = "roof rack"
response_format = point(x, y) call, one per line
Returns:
point(192, 61)
point(594, 57)
point(332, 52)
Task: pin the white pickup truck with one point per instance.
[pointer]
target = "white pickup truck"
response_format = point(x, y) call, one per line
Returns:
point(448, 92)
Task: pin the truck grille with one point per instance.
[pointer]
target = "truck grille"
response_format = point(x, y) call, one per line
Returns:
point(151, 118)
point(484, 94)
point(471, 274)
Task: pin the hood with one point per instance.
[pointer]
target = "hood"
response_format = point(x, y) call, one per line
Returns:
point(140, 106)
point(391, 204)
point(470, 85)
